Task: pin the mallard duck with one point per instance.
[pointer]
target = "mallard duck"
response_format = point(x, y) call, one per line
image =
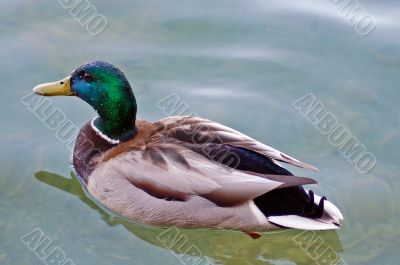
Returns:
point(183, 171)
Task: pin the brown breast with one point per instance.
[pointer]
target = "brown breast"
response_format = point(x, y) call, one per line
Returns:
point(90, 148)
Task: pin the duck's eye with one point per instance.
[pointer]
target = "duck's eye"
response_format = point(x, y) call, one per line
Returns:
point(87, 77)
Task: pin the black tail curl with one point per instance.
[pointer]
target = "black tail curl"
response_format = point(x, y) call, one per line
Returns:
point(290, 201)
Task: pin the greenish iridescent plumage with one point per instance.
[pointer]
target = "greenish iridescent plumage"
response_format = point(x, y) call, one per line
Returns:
point(107, 90)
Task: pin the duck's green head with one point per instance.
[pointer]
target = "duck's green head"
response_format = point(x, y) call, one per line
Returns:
point(107, 90)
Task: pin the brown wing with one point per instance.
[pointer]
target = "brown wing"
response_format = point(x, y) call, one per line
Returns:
point(201, 132)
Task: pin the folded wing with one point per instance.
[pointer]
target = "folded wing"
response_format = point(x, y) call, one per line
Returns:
point(201, 131)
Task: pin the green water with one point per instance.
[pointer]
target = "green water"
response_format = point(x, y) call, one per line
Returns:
point(241, 63)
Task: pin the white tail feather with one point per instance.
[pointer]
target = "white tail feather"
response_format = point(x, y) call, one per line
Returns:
point(299, 222)
point(330, 219)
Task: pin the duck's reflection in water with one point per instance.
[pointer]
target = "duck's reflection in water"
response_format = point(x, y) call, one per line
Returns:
point(209, 246)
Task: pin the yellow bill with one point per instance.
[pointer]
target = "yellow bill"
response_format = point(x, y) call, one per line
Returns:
point(59, 88)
